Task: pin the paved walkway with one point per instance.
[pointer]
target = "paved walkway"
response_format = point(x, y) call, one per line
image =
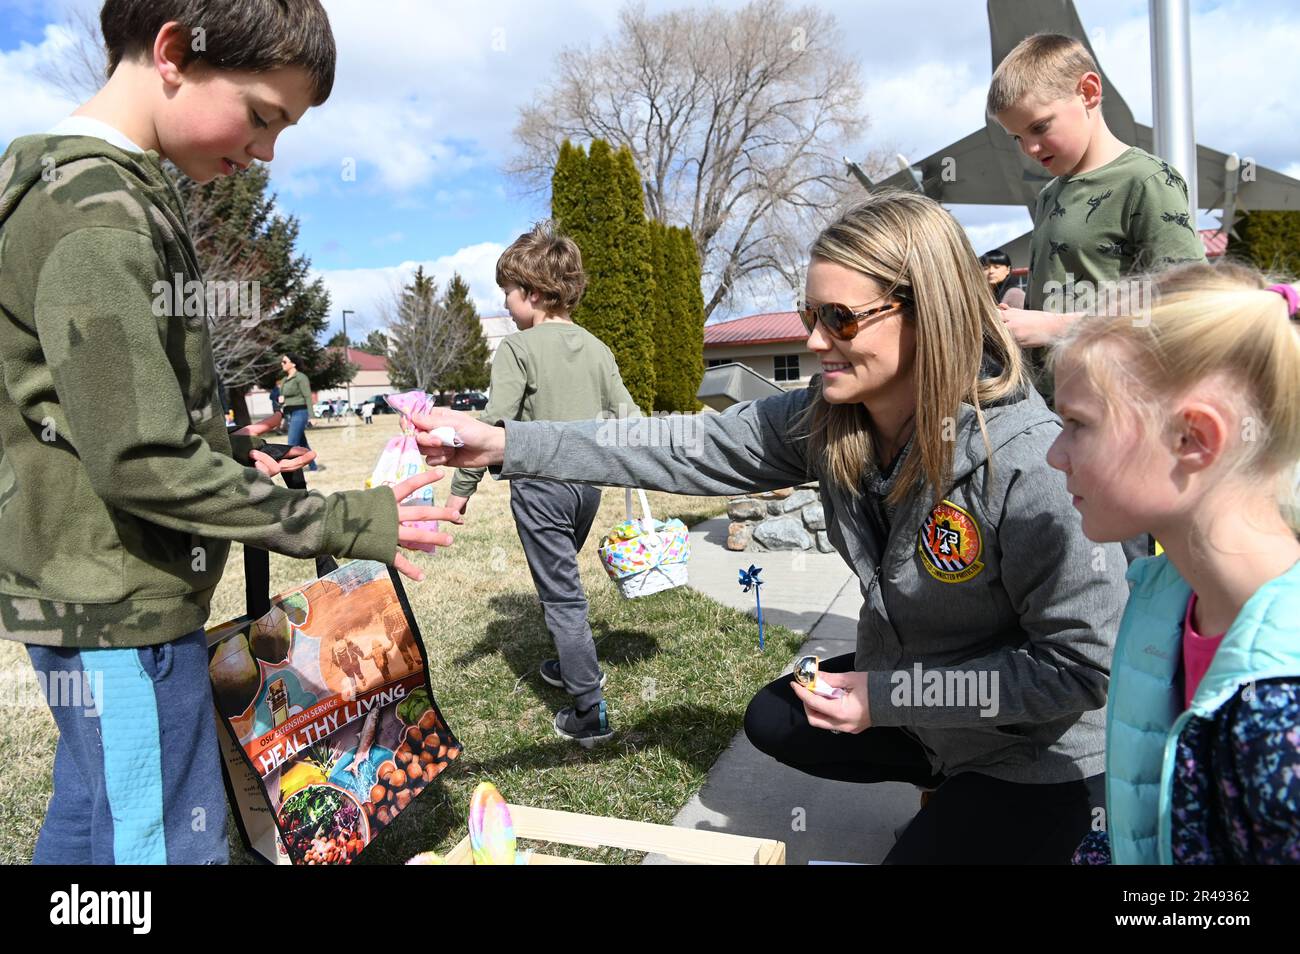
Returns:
point(748, 793)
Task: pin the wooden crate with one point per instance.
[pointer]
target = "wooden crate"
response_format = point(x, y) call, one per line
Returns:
point(592, 831)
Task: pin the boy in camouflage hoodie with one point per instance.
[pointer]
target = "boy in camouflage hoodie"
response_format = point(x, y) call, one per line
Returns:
point(119, 487)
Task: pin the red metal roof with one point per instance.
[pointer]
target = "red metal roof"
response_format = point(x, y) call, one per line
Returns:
point(1216, 242)
point(774, 326)
point(365, 361)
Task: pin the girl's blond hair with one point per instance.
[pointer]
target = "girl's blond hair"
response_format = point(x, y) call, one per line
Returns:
point(919, 254)
point(1195, 326)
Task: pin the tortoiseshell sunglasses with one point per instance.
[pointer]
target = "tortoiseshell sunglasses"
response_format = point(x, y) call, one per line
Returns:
point(840, 321)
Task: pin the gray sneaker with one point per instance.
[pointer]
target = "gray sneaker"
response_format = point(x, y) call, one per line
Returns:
point(588, 729)
point(549, 670)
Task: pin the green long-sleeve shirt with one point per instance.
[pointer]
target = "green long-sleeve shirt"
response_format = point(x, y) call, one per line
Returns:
point(555, 371)
point(295, 392)
point(1093, 230)
point(119, 493)
point(1127, 216)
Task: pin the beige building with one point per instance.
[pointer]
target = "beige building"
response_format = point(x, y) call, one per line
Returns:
point(496, 328)
point(371, 379)
point(771, 344)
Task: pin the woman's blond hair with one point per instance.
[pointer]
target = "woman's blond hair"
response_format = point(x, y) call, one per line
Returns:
point(919, 254)
point(1194, 326)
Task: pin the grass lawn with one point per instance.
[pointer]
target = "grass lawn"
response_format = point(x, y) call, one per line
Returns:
point(681, 670)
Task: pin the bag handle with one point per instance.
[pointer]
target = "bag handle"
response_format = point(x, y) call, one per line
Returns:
point(645, 506)
point(257, 563)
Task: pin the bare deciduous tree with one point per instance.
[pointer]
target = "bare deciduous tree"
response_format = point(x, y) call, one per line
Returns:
point(427, 332)
point(737, 121)
point(81, 69)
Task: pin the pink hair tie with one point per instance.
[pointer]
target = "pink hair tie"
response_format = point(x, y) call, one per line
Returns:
point(1289, 293)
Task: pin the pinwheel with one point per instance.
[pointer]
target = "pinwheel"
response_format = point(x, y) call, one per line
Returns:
point(749, 579)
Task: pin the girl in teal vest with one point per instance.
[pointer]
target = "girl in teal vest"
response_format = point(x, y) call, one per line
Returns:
point(1182, 419)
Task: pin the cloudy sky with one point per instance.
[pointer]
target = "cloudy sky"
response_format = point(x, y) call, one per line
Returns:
point(427, 92)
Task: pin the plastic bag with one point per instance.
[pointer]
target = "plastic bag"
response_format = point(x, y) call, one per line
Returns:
point(401, 457)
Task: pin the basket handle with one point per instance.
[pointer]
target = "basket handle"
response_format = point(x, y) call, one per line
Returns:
point(645, 505)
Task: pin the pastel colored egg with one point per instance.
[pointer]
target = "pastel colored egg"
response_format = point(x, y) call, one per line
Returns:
point(491, 832)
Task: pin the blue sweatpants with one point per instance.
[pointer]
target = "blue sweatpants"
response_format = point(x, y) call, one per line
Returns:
point(137, 771)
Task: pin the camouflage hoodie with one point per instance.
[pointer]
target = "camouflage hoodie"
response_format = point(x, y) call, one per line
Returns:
point(119, 492)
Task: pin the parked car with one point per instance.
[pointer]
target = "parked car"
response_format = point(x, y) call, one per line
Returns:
point(335, 408)
point(381, 404)
point(469, 401)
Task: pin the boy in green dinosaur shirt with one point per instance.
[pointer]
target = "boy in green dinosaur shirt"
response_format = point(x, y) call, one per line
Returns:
point(1112, 210)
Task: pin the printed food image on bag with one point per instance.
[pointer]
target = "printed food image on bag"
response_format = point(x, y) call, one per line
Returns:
point(330, 721)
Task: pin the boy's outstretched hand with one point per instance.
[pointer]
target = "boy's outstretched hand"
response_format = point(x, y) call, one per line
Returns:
point(1035, 329)
point(264, 425)
point(296, 459)
point(416, 538)
point(485, 444)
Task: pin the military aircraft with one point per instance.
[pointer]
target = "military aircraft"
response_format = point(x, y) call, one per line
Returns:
point(987, 168)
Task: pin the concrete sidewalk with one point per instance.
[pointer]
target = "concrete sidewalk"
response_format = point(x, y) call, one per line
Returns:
point(748, 793)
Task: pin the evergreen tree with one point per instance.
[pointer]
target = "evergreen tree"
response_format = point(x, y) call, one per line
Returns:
point(568, 188)
point(693, 317)
point(589, 207)
point(376, 343)
point(413, 331)
point(1270, 240)
point(472, 371)
point(686, 301)
point(638, 271)
point(662, 316)
point(241, 237)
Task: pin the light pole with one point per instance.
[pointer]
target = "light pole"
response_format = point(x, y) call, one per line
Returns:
point(346, 346)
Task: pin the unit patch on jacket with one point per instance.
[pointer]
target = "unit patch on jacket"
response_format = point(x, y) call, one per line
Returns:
point(950, 544)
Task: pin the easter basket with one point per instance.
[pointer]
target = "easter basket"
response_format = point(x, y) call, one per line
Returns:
point(326, 719)
point(644, 556)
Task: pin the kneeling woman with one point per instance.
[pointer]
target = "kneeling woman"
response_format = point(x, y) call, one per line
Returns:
point(988, 619)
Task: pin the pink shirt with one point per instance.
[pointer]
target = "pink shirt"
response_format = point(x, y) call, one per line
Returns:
point(1198, 653)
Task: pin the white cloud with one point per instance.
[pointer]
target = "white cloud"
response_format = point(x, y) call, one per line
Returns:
point(30, 104)
point(1241, 99)
point(992, 234)
point(367, 291)
point(926, 107)
point(426, 93)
